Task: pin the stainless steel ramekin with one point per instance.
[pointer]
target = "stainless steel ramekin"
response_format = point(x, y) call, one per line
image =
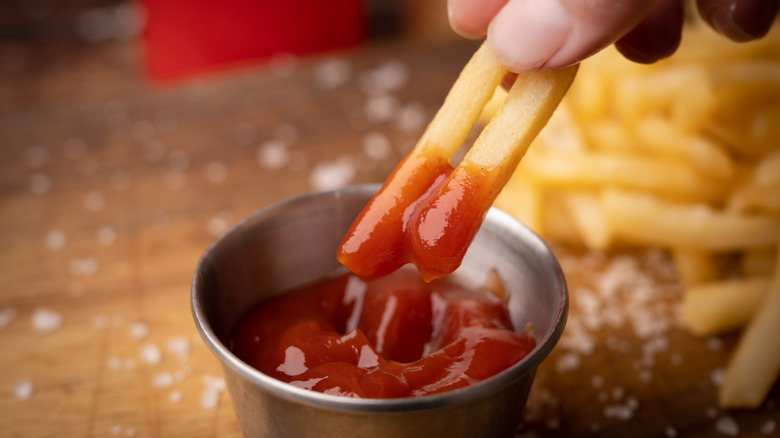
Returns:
point(294, 242)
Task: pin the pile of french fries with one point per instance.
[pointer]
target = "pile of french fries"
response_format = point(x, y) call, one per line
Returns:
point(683, 155)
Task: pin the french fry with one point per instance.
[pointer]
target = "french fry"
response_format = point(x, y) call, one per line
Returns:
point(694, 266)
point(647, 220)
point(588, 219)
point(755, 364)
point(722, 306)
point(592, 170)
point(759, 261)
point(414, 208)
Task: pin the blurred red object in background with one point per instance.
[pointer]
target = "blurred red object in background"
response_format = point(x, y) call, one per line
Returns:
point(184, 38)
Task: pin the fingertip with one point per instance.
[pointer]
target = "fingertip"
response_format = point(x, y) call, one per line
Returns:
point(657, 36)
point(739, 20)
point(470, 18)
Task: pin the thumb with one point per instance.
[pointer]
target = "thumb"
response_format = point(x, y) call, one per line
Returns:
point(528, 35)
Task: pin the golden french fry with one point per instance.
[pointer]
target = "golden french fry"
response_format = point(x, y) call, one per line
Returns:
point(718, 307)
point(588, 219)
point(644, 219)
point(574, 170)
point(755, 364)
point(759, 261)
point(522, 198)
point(694, 266)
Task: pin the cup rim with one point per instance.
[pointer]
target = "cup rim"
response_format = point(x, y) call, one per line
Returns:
point(496, 383)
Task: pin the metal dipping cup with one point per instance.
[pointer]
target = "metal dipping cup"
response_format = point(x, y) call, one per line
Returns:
point(294, 242)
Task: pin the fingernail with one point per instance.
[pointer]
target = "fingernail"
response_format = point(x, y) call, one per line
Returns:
point(743, 20)
point(527, 33)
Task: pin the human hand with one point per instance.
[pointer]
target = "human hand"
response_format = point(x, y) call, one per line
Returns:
point(529, 35)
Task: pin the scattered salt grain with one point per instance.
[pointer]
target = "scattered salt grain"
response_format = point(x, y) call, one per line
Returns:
point(129, 431)
point(619, 412)
point(175, 181)
point(83, 267)
point(714, 344)
point(94, 201)
point(56, 240)
point(88, 165)
point(39, 184)
point(376, 146)
point(175, 396)
point(769, 427)
point(218, 224)
point(273, 155)
point(150, 354)
point(36, 156)
point(100, 322)
point(381, 108)
point(162, 380)
point(138, 330)
point(676, 359)
point(389, 76)
point(116, 429)
point(727, 426)
point(45, 320)
point(179, 160)
point(119, 180)
point(597, 381)
point(711, 412)
point(179, 346)
point(568, 362)
point(411, 117)
point(106, 235)
point(216, 172)
point(209, 396)
point(331, 175)
point(716, 377)
point(23, 389)
point(6, 316)
point(332, 73)
point(670, 432)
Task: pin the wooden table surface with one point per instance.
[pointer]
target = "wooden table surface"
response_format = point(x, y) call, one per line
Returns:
point(111, 188)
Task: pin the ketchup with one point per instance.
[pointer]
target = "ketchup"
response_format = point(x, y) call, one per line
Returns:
point(398, 336)
point(427, 213)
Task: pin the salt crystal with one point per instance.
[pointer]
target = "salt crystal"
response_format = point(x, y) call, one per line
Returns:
point(381, 108)
point(175, 181)
point(410, 117)
point(175, 396)
point(179, 160)
point(45, 320)
point(727, 426)
point(376, 146)
point(106, 235)
point(331, 175)
point(567, 362)
point(114, 363)
point(618, 393)
point(618, 412)
point(216, 172)
point(677, 359)
point(209, 396)
point(162, 380)
point(219, 223)
point(389, 76)
point(129, 431)
point(716, 377)
point(714, 344)
point(150, 354)
point(6, 316)
point(39, 184)
point(273, 155)
point(769, 427)
point(36, 156)
point(100, 322)
point(332, 73)
point(179, 346)
point(88, 165)
point(83, 267)
point(94, 201)
point(138, 330)
point(23, 389)
point(597, 381)
point(116, 429)
point(711, 412)
point(553, 423)
point(670, 432)
point(56, 240)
